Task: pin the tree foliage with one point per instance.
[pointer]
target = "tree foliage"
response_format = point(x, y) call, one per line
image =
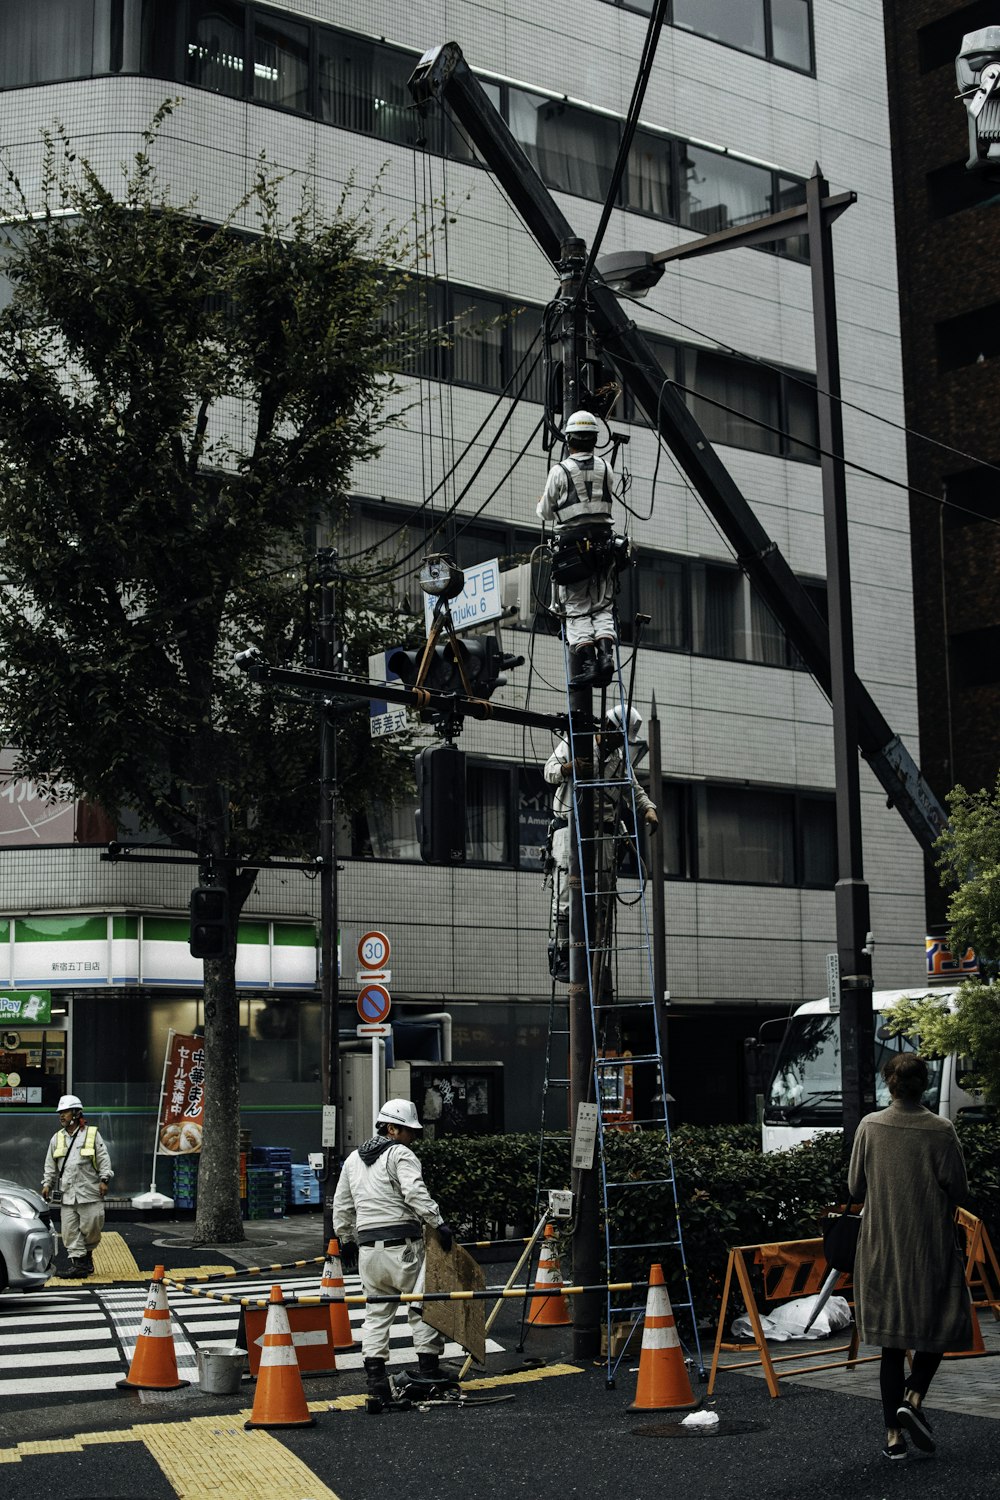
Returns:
point(181, 405)
point(969, 861)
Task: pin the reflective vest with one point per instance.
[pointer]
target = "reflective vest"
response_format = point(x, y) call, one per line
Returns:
point(62, 1145)
point(588, 491)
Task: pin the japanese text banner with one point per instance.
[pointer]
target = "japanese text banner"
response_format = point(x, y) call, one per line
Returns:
point(182, 1102)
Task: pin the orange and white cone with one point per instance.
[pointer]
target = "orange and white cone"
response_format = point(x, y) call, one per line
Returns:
point(664, 1384)
point(552, 1309)
point(154, 1361)
point(279, 1400)
point(331, 1289)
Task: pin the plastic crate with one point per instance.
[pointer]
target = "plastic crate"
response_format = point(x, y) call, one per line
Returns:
point(265, 1211)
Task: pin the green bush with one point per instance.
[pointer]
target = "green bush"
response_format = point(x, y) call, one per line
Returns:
point(728, 1191)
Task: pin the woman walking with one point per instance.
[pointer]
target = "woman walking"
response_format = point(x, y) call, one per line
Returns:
point(909, 1277)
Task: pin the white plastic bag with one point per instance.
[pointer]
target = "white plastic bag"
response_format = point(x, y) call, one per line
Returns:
point(789, 1321)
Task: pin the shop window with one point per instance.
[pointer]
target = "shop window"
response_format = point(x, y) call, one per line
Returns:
point(216, 46)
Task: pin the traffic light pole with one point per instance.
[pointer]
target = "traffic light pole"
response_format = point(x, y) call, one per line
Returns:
point(326, 654)
point(586, 1221)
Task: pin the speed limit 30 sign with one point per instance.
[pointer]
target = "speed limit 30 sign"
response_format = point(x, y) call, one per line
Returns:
point(373, 950)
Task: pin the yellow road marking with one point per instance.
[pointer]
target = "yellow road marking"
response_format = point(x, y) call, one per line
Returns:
point(214, 1458)
point(114, 1261)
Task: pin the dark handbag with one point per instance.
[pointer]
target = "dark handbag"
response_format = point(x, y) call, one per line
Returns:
point(841, 1231)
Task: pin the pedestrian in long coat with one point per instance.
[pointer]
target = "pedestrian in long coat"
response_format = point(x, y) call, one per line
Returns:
point(909, 1275)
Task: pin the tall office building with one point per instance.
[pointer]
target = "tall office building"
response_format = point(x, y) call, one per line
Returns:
point(743, 100)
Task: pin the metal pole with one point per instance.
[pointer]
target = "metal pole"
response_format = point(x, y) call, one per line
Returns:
point(326, 653)
point(857, 1045)
point(586, 1227)
point(657, 892)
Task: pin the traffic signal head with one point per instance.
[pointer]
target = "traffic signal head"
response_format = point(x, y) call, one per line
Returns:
point(482, 658)
point(406, 665)
point(209, 932)
point(440, 777)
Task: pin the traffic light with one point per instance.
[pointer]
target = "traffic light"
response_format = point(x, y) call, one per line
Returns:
point(209, 934)
point(483, 660)
point(440, 775)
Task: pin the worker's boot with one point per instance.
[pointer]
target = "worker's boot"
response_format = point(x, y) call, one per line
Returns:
point(379, 1389)
point(585, 664)
point(559, 951)
point(605, 661)
point(428, 1365)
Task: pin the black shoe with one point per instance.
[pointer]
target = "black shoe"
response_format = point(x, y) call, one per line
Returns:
point(76, 1270)
point(894, 1451)
point(379, 1390)
point(585, 662)
point(428, 1366)
point(913, 1421)
point(605, 662)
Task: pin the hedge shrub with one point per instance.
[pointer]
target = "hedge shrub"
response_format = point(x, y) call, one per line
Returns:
point(729, 1192)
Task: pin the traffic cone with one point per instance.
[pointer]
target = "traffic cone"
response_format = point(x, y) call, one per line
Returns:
point(551, 1310)
point(978, 1347)
point(154, 1362)
point(663, 1384)
point(279, 1400)
point(331, 1289)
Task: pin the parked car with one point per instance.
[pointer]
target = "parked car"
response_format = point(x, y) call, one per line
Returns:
point(27, 1243)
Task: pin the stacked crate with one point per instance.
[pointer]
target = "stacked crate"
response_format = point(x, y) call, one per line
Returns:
point(304, 1187)
point(269, 1181)
point(186, 1181)
point(265, 1193)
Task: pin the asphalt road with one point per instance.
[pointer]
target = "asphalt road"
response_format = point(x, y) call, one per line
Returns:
point(561, 1433)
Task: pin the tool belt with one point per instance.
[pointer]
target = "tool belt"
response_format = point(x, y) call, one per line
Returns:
point(581, 551)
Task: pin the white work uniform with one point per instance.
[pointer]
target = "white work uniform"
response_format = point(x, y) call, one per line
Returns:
point(578, 493)
point(615, 802)
point(382, 1202)
point(76, 1163)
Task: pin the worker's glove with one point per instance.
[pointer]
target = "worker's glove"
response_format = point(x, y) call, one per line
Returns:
point(45, 1193)
point(446, 1237)
point(348, 1255)
point(583, 767)
point(652, 820)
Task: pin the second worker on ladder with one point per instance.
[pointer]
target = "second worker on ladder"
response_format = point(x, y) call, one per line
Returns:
point(613, 802)
point(577, 501)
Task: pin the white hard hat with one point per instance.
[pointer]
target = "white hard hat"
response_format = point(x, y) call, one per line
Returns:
point(68, 1101)
point(582, 424)
point(399, 1112)
point(614, 718)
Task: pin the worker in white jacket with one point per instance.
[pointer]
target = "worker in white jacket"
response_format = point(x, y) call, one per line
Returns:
point(382, 1203)
point(77, 1164)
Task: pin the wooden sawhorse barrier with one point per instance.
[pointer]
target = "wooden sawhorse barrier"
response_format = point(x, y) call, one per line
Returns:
point(792, 1268)
point(797, 1268)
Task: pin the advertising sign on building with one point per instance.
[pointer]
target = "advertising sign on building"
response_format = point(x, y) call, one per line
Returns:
point(26, 817)
point(29, 1007)
point(182, 1099)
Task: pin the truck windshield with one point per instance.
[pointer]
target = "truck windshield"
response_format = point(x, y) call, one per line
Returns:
point(805, 1086)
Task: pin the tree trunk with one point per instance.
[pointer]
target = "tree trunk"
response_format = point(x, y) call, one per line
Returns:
point(219, 1220)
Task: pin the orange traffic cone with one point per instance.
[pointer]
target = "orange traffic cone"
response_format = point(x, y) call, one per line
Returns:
point(154, 1362)
point(663, 1383)
point(280, 1400)
point(552, 1309)
point(331, 1289)
point(978, 1347)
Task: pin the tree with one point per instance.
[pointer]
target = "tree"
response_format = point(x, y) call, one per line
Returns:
point(969, 861)
point(180, 406)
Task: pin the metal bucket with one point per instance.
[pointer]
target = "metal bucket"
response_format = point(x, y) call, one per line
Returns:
point(220, 1370)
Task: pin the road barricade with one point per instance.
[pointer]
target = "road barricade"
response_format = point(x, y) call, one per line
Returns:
point(312, 1337)
point(791, 1268)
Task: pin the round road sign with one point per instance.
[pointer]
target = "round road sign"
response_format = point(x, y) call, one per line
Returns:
point(373, 950)
point(374, 1003)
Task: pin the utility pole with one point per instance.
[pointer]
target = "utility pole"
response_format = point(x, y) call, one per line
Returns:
point(586, 1224)
point(326, 660)
point(857, 1041)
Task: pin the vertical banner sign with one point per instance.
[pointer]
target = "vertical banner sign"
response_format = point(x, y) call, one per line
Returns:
point(182, 1097)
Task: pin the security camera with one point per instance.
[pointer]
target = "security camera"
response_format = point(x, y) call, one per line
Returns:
point(977, 69)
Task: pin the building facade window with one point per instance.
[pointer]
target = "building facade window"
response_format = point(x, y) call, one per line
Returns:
point(708, 831)
point(357, 83)
point(779, 30)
